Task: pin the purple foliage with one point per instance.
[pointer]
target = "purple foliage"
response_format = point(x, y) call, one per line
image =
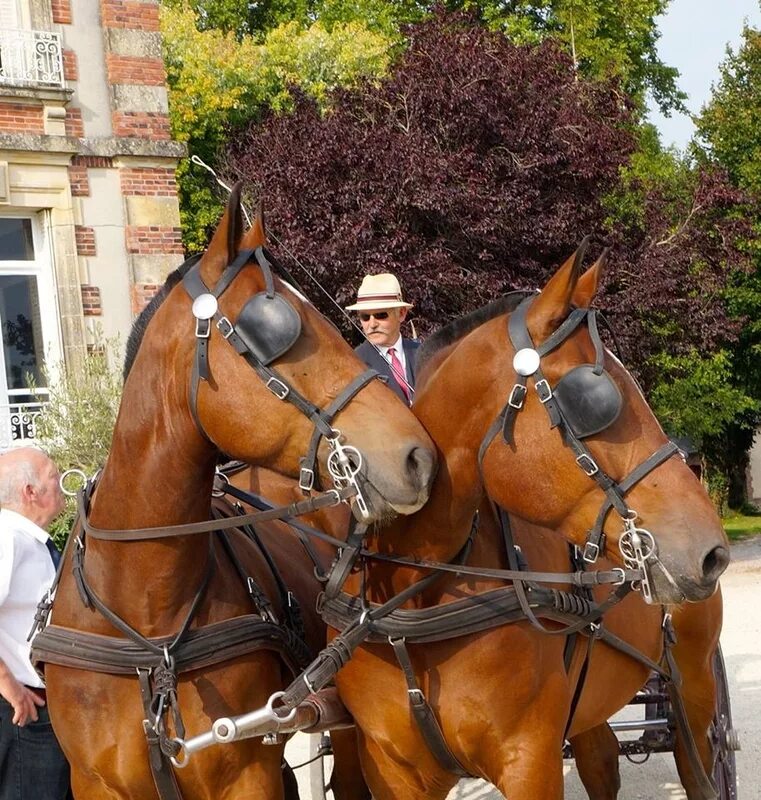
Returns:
point(477, 167)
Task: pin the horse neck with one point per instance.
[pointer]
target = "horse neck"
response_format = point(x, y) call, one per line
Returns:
point(453, 406)
point(159, 472)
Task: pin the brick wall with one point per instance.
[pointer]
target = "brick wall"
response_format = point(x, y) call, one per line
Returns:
point(85, 238)
point(21, 118)
point(70, 65)
point(142, 293)
point(153, 239)
point(145, 124)
point(91, 303)
point(136, 70)
point(61, 11)
point(130, 14)
point(149, 181)
point(73, 123)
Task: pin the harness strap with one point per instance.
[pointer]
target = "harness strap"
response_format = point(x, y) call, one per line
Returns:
point(161, 767)
point(308, 477)
point(307, 506)
point(345, 560)
point(424, 715)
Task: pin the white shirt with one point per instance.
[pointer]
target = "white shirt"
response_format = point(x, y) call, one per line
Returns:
point(26, 573)
point(398, 351)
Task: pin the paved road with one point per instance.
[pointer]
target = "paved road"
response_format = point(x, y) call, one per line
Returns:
point(657, 779)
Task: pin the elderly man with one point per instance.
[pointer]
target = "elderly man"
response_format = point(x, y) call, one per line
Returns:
point(32, 764)
point(382, 311)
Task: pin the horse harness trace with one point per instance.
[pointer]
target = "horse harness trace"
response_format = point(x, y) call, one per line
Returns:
point(266, 328)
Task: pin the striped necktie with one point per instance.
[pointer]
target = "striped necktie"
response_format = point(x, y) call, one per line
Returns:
point(398, 372)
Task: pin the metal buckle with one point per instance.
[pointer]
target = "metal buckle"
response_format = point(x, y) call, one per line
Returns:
point(591, 552)
point(306, 479)
point(517, 396)
point(278, 388)
point(543, 390)
point(622, 573)
point(416, 696)
point(203, 328)
point(229, 328)
point(588, 464)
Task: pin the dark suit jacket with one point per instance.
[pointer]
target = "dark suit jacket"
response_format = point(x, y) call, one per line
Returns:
point(374, 359)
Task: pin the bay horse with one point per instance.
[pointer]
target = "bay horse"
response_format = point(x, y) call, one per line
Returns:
point(187, 396)
point(502, 696)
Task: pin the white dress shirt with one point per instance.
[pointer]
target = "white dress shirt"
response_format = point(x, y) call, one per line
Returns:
point(26, 573)
point(398, 351)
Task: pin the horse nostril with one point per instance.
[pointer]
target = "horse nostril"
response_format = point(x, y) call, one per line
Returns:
point(420, 466)
point(715, 563)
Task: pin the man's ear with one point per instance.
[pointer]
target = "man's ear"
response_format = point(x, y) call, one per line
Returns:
point(403, 313)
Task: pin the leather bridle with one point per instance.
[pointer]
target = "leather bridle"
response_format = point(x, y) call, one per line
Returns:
point(344, 462)
point(637, 545)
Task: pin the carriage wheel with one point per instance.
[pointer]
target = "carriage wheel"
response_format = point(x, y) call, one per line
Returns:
point(723, 735)
point(319, 747)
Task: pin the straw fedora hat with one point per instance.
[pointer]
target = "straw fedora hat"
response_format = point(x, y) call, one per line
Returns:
point(379, 291)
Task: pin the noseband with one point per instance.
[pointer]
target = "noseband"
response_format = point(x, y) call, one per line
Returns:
point(266, 328)
point(583, 402)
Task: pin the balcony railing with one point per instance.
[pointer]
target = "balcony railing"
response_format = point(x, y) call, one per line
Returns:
point(30, 58)
point(18, 424)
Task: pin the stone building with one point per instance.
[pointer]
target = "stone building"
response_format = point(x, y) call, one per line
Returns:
point(89, 219)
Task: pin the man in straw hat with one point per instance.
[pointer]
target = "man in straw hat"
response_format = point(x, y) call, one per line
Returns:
point(381, 311)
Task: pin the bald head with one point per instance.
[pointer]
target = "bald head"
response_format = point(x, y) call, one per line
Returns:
point(29, 485)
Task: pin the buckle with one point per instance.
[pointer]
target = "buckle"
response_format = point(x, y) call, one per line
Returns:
point(203, 328)
point(588, 464)
point(517, 396)
point(225, 327)
point(306, 479)
point(416, 696)
point(591, 552)
point(543, 390)
point(278, 388)
point(622, 579)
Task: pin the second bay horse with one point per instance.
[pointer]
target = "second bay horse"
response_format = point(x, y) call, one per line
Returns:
point(502, 697)
point(188, 395)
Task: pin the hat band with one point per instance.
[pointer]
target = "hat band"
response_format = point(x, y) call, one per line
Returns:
point(363, 298)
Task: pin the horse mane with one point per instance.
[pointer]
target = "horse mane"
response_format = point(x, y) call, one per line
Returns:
point(140, 324)
point(454, 331)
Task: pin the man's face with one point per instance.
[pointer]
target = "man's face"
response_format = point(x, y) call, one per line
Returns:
point(49, 498)
point(382, 326)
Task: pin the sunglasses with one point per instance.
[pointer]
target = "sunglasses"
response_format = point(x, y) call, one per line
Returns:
point(377, 315)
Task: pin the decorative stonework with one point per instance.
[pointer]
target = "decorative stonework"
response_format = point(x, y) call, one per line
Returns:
point(153, 239)
point(91, 303)
point(85, 239)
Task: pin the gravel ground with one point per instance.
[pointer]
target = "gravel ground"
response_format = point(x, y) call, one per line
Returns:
point(657, 779)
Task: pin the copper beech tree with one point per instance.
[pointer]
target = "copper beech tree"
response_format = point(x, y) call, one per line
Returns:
point(478, 166)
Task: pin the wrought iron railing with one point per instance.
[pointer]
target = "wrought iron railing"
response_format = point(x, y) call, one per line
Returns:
point(18, 424)
point(30, 58)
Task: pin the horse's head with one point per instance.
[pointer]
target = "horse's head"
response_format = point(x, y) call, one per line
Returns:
point(257, 370)
point(579, 449)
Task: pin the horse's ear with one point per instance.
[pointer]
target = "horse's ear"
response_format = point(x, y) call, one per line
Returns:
point(256, 235)
point(589, 282)
point(551, 307)
point(225, 243)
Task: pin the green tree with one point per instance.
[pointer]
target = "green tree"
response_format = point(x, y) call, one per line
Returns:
point(607, 40)
point(729, 137)
point(218, 82)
